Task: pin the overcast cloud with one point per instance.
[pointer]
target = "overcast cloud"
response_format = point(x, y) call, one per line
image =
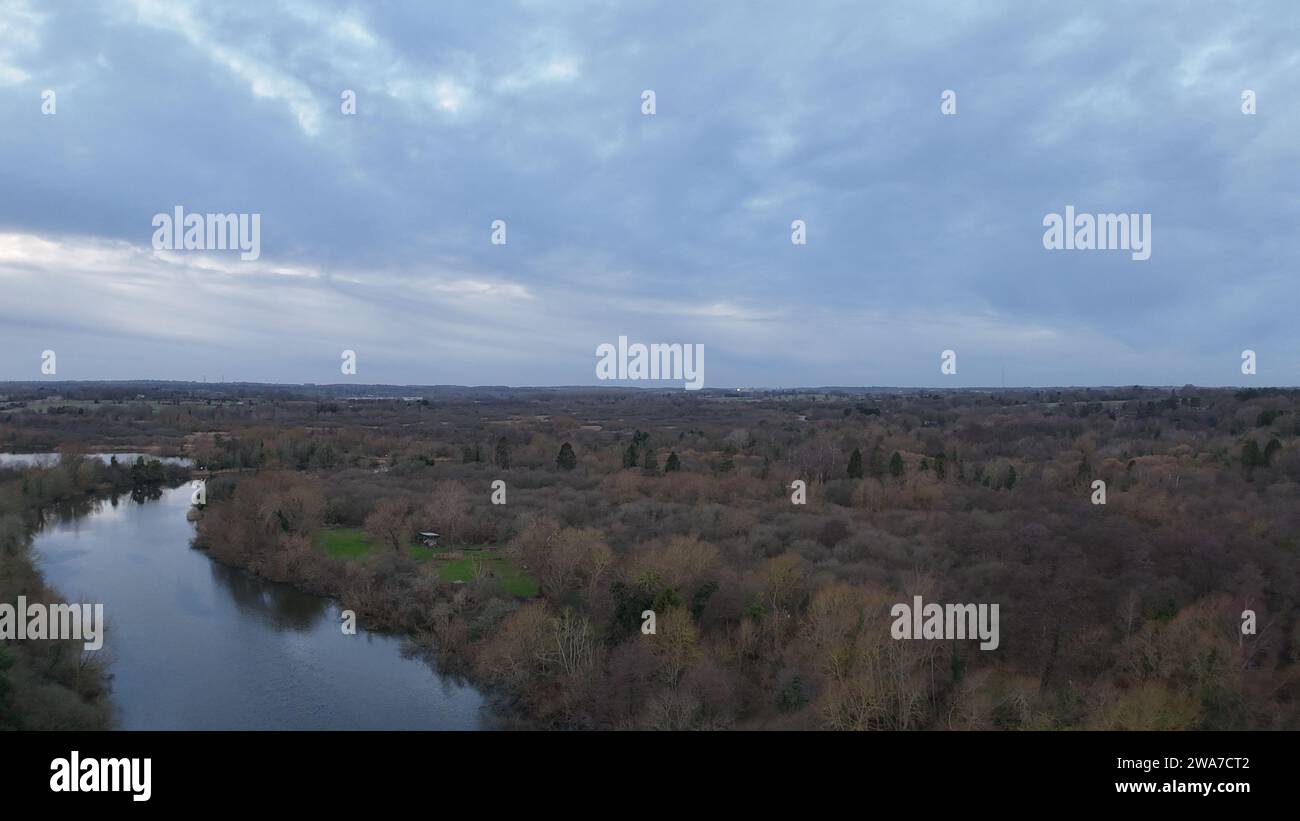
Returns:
point(924, 230)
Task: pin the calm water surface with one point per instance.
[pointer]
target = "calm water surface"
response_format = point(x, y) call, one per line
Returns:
point(23, 460)
point(197, 645)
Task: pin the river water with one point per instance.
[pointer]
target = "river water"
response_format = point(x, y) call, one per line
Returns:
point(198, 645)
point(22, 460)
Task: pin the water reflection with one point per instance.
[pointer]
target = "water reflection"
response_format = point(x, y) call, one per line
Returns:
point(70, 511)
point(23, 460)
point(140, 495)
point(279, 605)
point(198, 645)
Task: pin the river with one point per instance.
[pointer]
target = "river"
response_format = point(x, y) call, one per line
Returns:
point(196, 645)
point(22, 460)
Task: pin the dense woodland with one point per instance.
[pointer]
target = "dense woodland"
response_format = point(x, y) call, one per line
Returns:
point(769, 614)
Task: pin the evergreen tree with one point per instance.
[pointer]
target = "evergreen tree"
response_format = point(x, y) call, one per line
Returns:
point(1271, 450)
point(567, 459)
point(673, 463)
point(146, 472)
point(855, 465)
point(1011, 476)
point(503, 454)
point(1250, 455)
point(633, 455)
point(650, 462)
point(940, 466)
point(896, 465)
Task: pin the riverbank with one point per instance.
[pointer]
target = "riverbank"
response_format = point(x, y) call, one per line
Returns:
point(432, 631)
point(444, 620)
point(196, 644)
point(53, 684)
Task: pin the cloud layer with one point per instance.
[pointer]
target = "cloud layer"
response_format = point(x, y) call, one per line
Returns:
point(924, 230)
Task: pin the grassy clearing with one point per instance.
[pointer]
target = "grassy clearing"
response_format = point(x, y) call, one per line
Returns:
point(513, 580)
point(343, 542)
point(349, 543)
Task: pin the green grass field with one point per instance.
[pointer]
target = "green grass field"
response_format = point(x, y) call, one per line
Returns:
point(513, 580)
point(350, 543)
point(343, 542)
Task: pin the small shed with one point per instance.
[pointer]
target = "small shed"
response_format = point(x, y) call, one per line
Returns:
point(428, 538)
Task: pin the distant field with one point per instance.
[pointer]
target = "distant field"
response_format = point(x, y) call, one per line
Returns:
point(349, 543)
point(89, 406)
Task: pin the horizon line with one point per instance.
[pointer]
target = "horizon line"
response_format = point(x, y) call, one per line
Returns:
point(627, 387)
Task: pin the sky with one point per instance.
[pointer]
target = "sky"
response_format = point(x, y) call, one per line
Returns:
point(924, 229)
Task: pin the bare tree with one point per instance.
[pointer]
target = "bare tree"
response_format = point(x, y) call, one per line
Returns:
point(390, 524)
point(449, 509)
